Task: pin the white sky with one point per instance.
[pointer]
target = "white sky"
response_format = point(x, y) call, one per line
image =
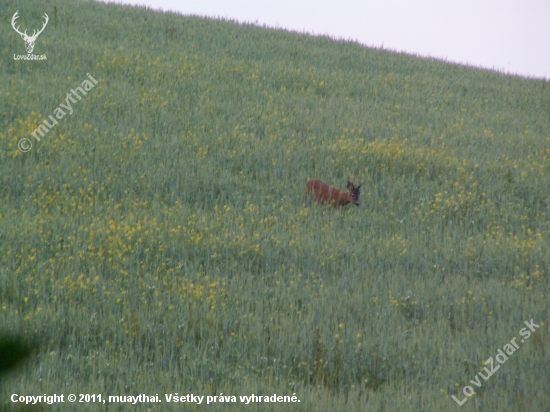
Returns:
point(507, 35)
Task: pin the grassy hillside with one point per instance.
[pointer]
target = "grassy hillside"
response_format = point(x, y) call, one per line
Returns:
point(158, 240)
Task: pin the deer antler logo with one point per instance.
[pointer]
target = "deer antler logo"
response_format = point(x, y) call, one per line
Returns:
point(29, 40)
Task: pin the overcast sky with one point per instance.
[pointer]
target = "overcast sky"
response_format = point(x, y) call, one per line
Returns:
point(508, 35)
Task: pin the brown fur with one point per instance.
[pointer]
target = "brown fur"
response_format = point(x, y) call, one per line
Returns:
point(325, 194)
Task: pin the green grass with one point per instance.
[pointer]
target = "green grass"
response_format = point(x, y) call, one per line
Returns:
point(158, 240)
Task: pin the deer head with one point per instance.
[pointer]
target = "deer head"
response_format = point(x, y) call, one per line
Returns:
point(29, 40)
point(354, 192)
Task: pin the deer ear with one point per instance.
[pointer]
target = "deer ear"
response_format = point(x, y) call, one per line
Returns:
point(350, 185)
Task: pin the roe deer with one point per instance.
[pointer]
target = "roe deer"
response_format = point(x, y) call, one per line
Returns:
point(324, 194)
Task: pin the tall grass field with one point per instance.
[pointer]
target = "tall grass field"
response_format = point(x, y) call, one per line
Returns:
point(158, 239)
